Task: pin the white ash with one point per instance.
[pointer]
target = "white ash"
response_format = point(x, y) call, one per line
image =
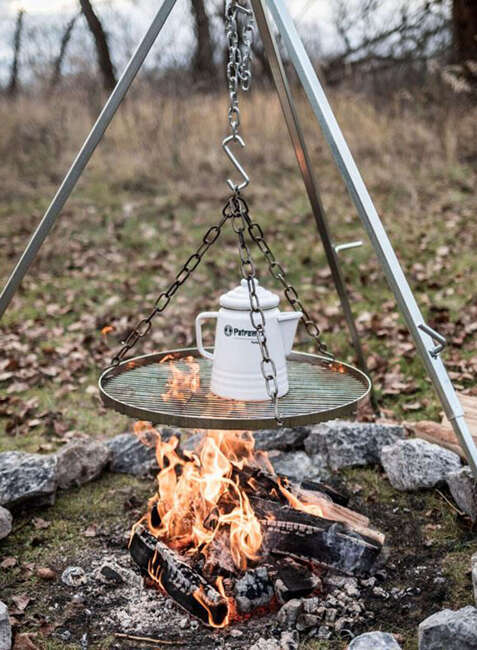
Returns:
point(111, 572)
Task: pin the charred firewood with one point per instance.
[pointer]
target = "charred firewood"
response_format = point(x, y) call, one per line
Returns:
point(263, 484)
point(295, 581)
point(335, 496)
point(297, 534)
point(184, 585)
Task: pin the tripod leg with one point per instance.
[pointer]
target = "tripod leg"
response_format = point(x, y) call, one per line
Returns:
point(84, 155)
point(285, 96)
point(374, 227)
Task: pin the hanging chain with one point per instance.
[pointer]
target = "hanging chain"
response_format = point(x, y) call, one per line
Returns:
point(278, 272)
point(239, 34)
point(238, 209)
point(143, 326)
point(238, 65)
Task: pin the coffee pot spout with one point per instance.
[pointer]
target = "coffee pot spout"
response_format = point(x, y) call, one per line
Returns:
point(288, 322)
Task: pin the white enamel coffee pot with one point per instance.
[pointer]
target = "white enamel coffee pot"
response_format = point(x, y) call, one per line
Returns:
point(236, 371)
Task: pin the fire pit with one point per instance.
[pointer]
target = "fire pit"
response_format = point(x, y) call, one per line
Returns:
point(224, 535)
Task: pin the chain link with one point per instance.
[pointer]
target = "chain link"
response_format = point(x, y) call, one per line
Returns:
point(278, 272)
point(143, 327)
point(239, 33)
point(239, 56)
point(239, 209)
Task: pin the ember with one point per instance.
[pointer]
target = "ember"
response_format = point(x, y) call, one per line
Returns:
point(220, 510)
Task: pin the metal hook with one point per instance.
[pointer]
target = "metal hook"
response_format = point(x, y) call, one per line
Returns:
point(235, 138)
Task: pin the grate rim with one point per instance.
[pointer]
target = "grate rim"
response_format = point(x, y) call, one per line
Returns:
point(320, 390)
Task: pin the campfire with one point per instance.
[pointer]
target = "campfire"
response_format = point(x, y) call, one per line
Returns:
point(223, 529)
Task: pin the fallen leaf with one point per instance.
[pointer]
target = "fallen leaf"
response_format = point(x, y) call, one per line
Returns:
point(40, 523)
point(21, 601)
point(8, 562)
point(90, 531)
point(412, 406)
point(45, 573)
point(28, 567)
point(24, 642)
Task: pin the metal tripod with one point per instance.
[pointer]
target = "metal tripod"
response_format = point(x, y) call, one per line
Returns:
point(429, 343)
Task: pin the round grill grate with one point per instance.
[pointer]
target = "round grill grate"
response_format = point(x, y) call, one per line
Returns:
point(142, 388)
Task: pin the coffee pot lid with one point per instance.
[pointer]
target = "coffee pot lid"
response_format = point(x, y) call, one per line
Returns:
point(238, 298)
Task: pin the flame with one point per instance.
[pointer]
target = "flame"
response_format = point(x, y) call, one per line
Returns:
point(202, 504)
point(182, 384)
point(295, 502)
point(191, 486)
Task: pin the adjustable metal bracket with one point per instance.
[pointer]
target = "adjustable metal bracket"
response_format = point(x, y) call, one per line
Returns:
point(435, 336)
point(347, 246)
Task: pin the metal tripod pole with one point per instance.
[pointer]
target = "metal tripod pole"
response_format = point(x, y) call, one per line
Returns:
point(83, 157)
point(424, 337)
point(285, 96)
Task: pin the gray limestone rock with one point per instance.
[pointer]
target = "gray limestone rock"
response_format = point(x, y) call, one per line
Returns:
point(416, 463)
point(473, 564)
point(298, 465)
point(5, 522)
point(80, 462)
point(374, 641)
point(27, 478)
point(5, 628)
point(346, 444)
point(130, 456)
point(283, 439)
point(449, 630)
point(463, 488)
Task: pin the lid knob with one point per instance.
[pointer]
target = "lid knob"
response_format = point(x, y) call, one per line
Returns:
point(238, 298)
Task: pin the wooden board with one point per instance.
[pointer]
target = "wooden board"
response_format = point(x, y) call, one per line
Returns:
point(442, 433)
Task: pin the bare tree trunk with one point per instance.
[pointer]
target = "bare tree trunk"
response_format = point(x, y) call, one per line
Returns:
point(65, 39)
point(464, 20)
point(102, 47)
point(17, 41)
point(203, 68)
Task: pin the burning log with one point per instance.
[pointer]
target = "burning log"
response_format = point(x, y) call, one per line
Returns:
point(187, 587)
point(308, 493)
point(255, 477)
point(307, 537)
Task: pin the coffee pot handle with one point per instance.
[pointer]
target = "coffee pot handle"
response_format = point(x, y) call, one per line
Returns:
point(198, 332)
